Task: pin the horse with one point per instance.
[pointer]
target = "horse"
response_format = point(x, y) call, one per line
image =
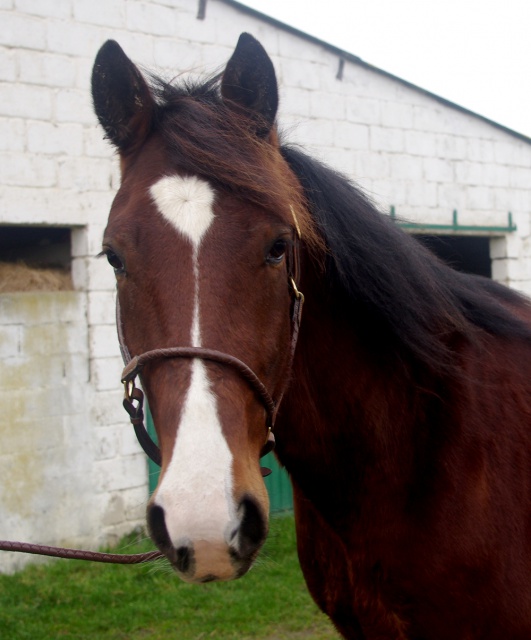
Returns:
point(400, 400)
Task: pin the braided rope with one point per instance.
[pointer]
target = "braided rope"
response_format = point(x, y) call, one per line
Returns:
point(79, 554)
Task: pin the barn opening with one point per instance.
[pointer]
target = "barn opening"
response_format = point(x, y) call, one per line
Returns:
point(35, 258)
point(470, 254)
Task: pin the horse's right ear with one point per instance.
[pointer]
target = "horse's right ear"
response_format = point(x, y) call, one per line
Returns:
point(122, 99)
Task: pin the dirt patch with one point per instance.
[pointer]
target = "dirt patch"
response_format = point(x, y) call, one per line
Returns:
point(18, 276)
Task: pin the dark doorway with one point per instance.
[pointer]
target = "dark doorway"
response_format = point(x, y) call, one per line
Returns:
point(470, 254)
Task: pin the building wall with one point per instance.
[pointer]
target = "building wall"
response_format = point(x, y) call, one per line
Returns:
point(404, 147)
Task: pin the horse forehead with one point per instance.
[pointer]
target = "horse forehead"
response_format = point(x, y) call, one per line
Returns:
point(187, 203)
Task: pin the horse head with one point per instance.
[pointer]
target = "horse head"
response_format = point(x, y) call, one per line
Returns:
point(202, 238)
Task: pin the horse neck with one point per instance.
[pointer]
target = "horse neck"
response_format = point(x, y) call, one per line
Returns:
point(353, 406)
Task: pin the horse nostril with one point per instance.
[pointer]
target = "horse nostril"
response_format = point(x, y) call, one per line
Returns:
point(157, 528)
point(183, 559)
point(253, 527)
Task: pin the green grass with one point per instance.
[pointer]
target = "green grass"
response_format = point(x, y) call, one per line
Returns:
point(73, 599)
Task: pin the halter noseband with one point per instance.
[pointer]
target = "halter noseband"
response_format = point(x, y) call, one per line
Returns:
point(134, 397)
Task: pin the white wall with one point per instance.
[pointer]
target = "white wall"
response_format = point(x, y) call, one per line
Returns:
point(404, 147)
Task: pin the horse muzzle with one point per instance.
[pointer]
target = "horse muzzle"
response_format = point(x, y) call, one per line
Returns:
point(204, 558)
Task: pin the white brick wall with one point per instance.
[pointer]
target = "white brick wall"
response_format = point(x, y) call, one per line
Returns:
point(404, 147)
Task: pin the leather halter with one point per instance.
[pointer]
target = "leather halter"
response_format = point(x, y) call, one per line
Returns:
point(134, 397)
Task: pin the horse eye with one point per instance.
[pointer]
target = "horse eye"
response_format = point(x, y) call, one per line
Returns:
point(115, 261)
point(277, 252)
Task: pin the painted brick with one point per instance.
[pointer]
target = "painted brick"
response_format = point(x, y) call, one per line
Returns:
point(84, 174)
point(480, 198)
point(300, 75)
point(105, 373)
point(110, 13)
point(8, 65)
point(479, 150)
point(73, 105)
point(48, 138)
point(36, 67)
point(436, 170)
point(74, 38)
point(175, 54)
point(452, 147)
point(404, 167)
point(363, 110)
point(327, 106)
point(24, 101)
point(422, 194)
point(12, 134)
point(10, 340)
point(45, 8)
point(18, 169)
point(348, 135)
point(470, 173)
point(396, 115)
point(103, 341)
point(520, 178)
point(505, 247)
point(418, 143)
point(18, 30)
point(106, 410)
point(102, 308)
point(120, 473)
point(371, 165)
point(151, 18)
point(385, 139)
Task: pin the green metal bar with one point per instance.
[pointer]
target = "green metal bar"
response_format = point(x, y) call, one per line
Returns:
point(153, 469)
point(455, 226)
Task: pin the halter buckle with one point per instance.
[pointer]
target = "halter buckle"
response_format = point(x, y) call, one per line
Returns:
point(298, 294)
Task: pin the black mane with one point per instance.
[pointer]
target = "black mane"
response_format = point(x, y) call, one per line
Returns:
point(401, 284)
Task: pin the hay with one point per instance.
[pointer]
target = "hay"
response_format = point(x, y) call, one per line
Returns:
point(18, 276)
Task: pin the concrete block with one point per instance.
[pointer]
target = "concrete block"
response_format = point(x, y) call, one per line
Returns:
point(147, 17)
point(386, 139)
point(348, 135)
point(404, 167)
point(176, 55)
point(100, 275)
point(452, 196)
point(106, 442)
point(479, 150)
point(371, 165)
point(12, 134)
point(509, 246)
point(106, 410)
point(25, 101)
point(85, 174)
point(54, 139)
point(74, 105)
point(36, 67)
point(19, 30)
point(420, 143)
point(110, 13)
point(520, 178)
point(106, 373)
point(299, 74)
point(74, 38)
point(102, 308)
point(480, 198)
point(327, 106)
point(119, 474)
point(10, 340)
point(8, 65)
point(422, 194)
point(103, 341)
point(396, 115)
point(45, 8)
point(21, 169)
point(436, 170)
point(469, 173)
point(363, 110)
point(135, 503)
point(452, 147)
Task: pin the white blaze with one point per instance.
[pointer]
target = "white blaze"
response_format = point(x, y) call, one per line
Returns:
point(196, 490)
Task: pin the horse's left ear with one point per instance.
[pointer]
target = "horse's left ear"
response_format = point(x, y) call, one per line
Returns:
point(122, 99)
point(249, 84)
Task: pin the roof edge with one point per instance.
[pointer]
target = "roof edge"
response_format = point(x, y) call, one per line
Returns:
point(350, 57)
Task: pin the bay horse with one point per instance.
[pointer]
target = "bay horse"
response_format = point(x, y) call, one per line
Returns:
point(405, 420)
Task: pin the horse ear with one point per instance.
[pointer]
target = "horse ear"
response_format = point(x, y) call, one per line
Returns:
point(122, 99)
point(249, 84)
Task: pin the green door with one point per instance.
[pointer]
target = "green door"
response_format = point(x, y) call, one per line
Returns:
point(278, 484)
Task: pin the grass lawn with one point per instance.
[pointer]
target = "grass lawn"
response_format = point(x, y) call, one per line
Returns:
point(74, 599)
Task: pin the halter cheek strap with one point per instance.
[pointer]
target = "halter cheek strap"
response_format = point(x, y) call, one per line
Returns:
point(134, 397)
